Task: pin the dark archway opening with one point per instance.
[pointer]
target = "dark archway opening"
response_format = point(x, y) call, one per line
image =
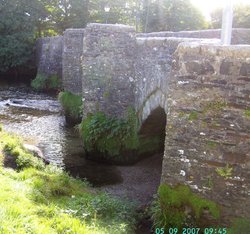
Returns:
point(153, 129)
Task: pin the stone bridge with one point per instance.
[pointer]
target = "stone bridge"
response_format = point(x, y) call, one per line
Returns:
point(195, 90)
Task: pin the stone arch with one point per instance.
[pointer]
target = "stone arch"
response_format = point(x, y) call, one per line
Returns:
point(154, 100)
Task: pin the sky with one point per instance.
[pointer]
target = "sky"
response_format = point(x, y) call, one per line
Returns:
point(207, 6)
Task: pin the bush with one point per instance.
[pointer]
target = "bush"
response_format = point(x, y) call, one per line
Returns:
point(44, 82)
point(39, 83)
point(109, 135)
point(72, 105)
point(170, 209)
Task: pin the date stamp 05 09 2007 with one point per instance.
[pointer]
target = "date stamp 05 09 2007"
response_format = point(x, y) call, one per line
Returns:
point(191, 231)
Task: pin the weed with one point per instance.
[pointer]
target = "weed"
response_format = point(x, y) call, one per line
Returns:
point(170, 207)
point(225, 172)
point(72, 104)
point(247, 113)
point(108, 134)
point(44, 82)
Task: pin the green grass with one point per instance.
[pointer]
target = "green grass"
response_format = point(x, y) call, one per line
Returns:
point(169, 208)
point(247, 113)
point(43, 82)
point(48, 200)
point(72, 104)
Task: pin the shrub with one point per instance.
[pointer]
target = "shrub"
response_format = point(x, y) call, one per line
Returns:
point(44, 82)
point(171, 206)
point(72, 104)
point(39, 83)
point(109, 135)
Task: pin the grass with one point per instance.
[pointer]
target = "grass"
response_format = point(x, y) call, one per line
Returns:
point(72, 104)
point(170, 207)
point(43, 82)
point(47, 200)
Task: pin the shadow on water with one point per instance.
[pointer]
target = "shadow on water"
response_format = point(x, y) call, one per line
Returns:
point(39, 120)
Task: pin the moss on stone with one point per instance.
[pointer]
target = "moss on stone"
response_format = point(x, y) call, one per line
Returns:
point(193, 116)
point(72, 105)
point(170, 207)
point(212, 144)
point(214, 106)
point(247, 113)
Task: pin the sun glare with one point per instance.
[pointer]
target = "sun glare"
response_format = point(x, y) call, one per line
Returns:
point(207, 6)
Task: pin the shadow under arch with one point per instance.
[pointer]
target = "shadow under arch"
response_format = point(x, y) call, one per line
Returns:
point(152, 130)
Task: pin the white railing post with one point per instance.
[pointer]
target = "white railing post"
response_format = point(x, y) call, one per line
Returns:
point(227, 23)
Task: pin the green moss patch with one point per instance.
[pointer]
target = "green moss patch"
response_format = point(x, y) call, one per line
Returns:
point(247, 113)
point(46, 199)
point(43, 82)
point(72, 105)
point(171, 206)
point(193, 116)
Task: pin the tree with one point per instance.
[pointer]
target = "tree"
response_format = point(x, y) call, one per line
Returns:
point(171, 15)
point(118, 11)
point(17, 33)
point(241, 17)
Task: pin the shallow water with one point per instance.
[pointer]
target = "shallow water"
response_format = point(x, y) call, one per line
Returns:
point(39, 119)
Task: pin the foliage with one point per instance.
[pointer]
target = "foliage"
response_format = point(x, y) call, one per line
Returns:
point(72, 104)
point(12, 145)
point(120, 11)
point(48, 200)
point(241, 17)
point(171, 15)
point(108, 134)
point(225, 172)
point(240, 226)
point(17, 34)
point(171, 206)
point(247, 113)
point(43, 82)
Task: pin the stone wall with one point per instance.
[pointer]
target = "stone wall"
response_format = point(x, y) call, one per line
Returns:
point(208, 125)
point(239, 35)
point(152, 71)
point(49, 55)
point(71, 60)
point(107, 65)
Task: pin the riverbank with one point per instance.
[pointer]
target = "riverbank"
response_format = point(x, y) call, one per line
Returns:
point(44, 199)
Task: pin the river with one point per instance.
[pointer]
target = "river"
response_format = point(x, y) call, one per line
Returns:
point(39, 119)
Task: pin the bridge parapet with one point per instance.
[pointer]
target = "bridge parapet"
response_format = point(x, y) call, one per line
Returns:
point(208, 124)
